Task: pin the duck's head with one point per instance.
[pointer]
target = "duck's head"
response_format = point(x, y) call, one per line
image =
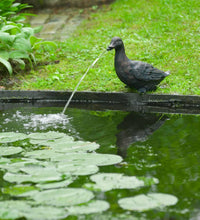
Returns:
point(115, 43)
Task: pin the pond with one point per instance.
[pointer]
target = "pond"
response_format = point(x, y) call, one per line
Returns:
point(98, 165)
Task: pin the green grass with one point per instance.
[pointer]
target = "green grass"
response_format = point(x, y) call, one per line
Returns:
point(165, 33)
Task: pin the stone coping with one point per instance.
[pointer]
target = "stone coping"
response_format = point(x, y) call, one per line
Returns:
point(161, 103)
point(65, 3)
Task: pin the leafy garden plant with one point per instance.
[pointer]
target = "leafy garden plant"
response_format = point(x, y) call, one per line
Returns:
point(17, 41)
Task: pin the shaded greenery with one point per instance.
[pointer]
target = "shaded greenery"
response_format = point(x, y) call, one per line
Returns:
point(17, 41)
point(164, 33)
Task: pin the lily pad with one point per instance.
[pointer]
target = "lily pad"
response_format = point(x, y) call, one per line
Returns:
point(7, 137)
point(43, 154)
point(35, 177)
point(51, 135)
point(6, 151)
point(77, 169)
point(18, 189)
point(77, 146)
point(89, 158)
point(45, 213)
point(15, 167)
point(56, 185)
point(92, 207)
point(12, 209)
point(76, 158)
point(145, 202)
point(50, 141)
point(63, 197)
point(4, 161)
point(109, 181)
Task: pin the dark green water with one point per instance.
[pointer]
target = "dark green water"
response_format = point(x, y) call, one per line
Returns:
point(166, 147)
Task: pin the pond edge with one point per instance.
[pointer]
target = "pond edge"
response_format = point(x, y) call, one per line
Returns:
point(161, 103)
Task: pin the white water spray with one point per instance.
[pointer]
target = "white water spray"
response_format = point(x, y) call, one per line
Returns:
point(70, 98)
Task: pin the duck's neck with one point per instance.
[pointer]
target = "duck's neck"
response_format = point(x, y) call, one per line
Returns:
point(120, 55)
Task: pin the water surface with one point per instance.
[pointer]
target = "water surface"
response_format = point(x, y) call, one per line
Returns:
point(154, 146)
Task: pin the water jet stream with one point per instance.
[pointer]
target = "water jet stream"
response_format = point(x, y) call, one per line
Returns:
point(70, 98)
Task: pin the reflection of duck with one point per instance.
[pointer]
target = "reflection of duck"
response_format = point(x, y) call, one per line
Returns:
point(139, 75)
point(136, 127)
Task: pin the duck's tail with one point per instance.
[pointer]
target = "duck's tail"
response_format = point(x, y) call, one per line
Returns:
point(167, 73)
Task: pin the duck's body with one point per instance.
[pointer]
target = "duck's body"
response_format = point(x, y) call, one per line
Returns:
point(135, 74)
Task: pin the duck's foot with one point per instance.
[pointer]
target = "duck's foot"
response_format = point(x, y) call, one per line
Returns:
point(142, 90)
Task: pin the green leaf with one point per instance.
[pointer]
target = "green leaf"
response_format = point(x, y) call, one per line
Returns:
point(51, 135)
point(10, 27)
point(76, 169)
point(63, 146)
point(63, 197)
point(44, 175)
point(44, 43)
point(45, 213)
point(55, 185)
point(22, 44)
point(4, 55)
point(6, 151)
point(6, 64)
point(20, 62)
point(109, 181)
point(34, 39)
point(18, 189)
point(89, 158)
point(6, 38)
point(92, 207)
point(12, 209)
point(28, 31)
point(17, 54)
point(32, 56)
point(7, 137)
point(145, 202)
point(37, 29)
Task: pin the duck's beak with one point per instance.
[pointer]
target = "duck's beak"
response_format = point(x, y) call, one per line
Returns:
point(110, 47)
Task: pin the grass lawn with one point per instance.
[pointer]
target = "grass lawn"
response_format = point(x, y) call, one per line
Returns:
point(165, 33)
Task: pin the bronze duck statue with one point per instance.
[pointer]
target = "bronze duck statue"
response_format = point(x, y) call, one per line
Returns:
point(135, 74)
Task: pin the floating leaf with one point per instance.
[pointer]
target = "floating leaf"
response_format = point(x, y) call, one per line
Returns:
point(53, 142)
point(4, 161)
point(6, 151)
point(88, 158)
point(51, 135)
point(108, 181)
point(43, 154)
point(7, 137)
point(76, 158)
point(15, 167)
point(18, 189)
point(72, 147)
point(12, 209)
point(77, 169)
point(63, 197)
point(55, 185)
point(45, 213)
point(92, 207)
point(36, 177)
point(145, 202)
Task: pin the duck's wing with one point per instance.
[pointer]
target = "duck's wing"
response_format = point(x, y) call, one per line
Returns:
point(146, 72)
